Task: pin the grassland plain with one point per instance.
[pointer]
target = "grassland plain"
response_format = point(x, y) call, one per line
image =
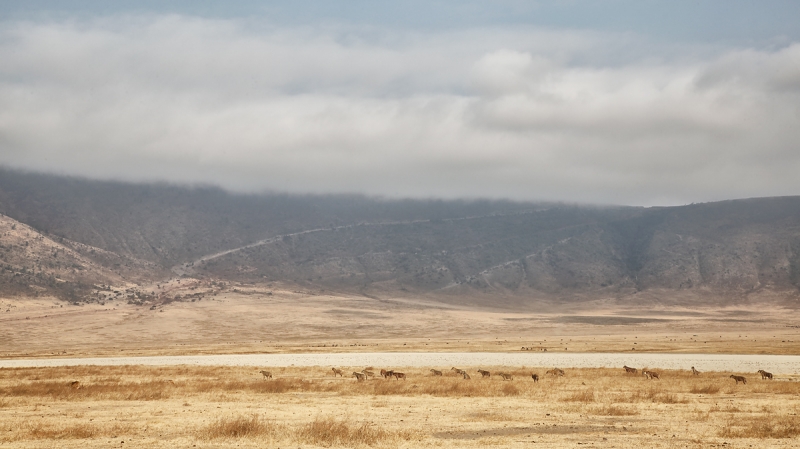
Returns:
point(285, 321)
point(221, 407)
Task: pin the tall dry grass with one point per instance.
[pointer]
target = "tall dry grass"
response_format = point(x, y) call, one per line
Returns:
point(240, 427)
point(321, 431)
point(333, 432)
point(768, 426)
point(440, 387)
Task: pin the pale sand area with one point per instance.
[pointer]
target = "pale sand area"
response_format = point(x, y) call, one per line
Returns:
point(253, 321)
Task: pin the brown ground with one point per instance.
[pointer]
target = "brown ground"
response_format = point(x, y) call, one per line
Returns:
point(222, 407)
point(253, 320)
point(306, 407)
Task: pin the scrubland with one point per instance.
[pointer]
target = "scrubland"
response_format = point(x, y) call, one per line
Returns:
point(220, 407)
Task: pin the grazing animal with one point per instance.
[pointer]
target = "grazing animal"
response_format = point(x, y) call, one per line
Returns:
point(75, 384)
point(383, 373)
point(465, 375)
point(630, 370)
point(337, 371)
point(650, 374)
point(458, 371)
point(506, 376)
point(535, 377)
point(267, 374)
point(389, 374)
point(368, 373)
point(739, 379)
point(695, 372)
point(485, 373)
point(359, 376)
point(398, 376)
point(435, 372)
point(764, 374)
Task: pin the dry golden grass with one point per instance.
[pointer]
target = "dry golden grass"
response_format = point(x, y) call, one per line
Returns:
point(239, 427)
point(307, 407)
point(332, 432)
point(580, 396)
point(769, 426)
point(705, 389)
point(74, 431)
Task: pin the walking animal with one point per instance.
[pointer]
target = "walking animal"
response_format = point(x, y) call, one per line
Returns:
point(765, 375)
point(485, 373)
point(359, 376)
point(739, 379)
point(629, 370)
point(337, 371)
point(435, 372)
point(267, 374)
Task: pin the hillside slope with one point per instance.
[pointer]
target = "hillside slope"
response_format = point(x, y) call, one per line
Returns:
point(32, 264)
point(451, 250)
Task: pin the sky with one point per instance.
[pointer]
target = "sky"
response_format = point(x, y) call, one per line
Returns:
point(636, 102)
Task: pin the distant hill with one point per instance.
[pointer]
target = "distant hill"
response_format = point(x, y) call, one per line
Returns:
point(452, 250)
point(32, 264)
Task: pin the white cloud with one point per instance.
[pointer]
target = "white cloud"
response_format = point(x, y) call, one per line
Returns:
point(520, 113)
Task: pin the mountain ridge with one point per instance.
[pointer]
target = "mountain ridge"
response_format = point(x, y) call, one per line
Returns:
point(525, 252)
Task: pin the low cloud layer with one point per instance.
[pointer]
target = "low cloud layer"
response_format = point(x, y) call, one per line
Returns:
point(517, 112)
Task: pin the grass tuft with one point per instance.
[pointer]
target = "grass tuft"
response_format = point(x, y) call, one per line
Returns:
point(238, 427)
point(330, 432)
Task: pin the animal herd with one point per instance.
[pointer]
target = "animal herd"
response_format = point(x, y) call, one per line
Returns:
point(366, 373)
point(654, 375)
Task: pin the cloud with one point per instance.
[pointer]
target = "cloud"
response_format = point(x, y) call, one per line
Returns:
point(517, 112)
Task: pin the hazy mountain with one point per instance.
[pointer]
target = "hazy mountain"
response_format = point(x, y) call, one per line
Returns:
point(450, 249)
point(33, 264)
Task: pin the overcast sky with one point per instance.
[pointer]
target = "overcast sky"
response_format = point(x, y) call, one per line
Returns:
point(625, 102)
